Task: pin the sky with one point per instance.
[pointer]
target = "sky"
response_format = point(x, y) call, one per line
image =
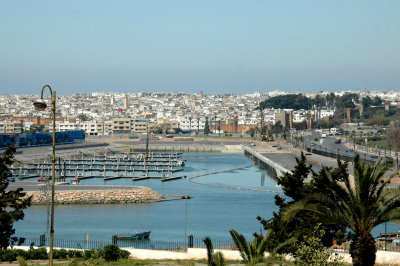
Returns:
point(224, 46)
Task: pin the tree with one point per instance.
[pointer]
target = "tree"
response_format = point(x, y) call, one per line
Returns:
point(251, 253)
point(366, 101)
point(296, 189)
point(83, 117)
point(190, 124)
point(11, 202)
point(251, 131)
point(213, 258)
point(360, 204)
point(310, 252)
point(393, 137)
point(35, 129)
point(206, 127)
point(236, 122)
point(376, 101)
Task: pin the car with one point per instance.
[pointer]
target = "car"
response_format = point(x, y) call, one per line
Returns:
point(252, 144)
point(374, 156)
point(203, 139)
point(351, 150)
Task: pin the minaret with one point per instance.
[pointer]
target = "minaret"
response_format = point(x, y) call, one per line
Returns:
point(126, 101)
point(112, 99)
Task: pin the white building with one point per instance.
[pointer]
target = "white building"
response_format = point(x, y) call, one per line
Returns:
point(64, 126)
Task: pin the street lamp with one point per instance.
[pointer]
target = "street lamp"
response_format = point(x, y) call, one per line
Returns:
point(185, 198)
point(41, 105)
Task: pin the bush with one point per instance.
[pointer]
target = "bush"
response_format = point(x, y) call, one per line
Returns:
point(124, 254)
point(21, 261)
point(38, 254)
point(60, 254)
point(111, 252)
point(21, 253)
point(88, 254)
point(74, 254)
point(8, 255)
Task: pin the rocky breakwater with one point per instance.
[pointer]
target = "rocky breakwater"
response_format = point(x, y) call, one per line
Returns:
point(103, 196)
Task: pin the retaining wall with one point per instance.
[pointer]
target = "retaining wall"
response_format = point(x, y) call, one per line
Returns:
point(136, 195)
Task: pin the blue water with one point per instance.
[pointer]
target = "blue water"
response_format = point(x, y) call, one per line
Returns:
point(212, 212)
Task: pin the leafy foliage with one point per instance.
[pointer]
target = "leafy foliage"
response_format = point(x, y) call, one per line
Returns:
point(12, 203)
point(288, 101)
point(330, 101)
point(360, 203)
point(111, 252)
point(296, 189)
point(206, 127)
point(214, 259)
point(251, 253)
point(312, 253)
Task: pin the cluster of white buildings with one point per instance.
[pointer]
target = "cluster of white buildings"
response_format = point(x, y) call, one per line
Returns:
point(102, 113)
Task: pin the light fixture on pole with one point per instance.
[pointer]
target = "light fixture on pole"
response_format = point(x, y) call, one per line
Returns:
point(185, 240)
point(41, 105)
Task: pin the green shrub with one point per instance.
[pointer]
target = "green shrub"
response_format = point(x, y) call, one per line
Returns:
point(21, 261)
point(8, 255)
point(124, 254)
point(21, 253)
point(38, 254)
point(97, 253)
point(60, 254)
point(88, 254)
point(111, 252)
point(74, 254)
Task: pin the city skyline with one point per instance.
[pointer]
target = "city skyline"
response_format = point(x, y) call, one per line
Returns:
point(217, 47)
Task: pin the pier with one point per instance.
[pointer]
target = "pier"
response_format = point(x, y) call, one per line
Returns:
point(274, 169)
point(118, 165)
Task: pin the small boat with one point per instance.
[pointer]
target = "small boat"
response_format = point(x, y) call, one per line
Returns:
point(137, 236)
point(41, 179)
point(75, 181)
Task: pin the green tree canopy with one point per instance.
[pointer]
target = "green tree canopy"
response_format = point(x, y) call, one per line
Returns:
point(359, 203)
point(12, 203)
point(296, 189)
point(206, 127)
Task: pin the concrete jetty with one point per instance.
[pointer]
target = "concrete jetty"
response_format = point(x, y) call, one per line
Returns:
point(274, 168)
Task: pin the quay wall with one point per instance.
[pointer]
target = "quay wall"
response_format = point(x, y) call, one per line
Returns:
point(135, 195)
point(191, 148)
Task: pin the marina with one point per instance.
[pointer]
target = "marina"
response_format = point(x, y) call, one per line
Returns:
point(226, 207)
point(136, 166)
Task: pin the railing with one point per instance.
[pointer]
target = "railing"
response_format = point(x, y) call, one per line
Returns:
point(193, 242)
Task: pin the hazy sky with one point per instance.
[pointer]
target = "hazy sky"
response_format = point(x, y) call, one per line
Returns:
point(216, 46)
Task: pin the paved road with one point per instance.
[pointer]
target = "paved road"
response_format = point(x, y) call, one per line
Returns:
point(288, 160)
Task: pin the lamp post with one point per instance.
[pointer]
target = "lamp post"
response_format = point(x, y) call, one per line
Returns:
point(41, 105)
point(185, 198)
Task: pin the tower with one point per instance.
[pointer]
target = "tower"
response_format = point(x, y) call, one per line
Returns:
point(112, 99)
point(126, 101)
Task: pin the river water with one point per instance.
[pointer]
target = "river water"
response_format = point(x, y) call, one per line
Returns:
point(212, 212)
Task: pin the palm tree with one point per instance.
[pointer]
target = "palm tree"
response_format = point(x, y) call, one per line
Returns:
point(360, 204)
point(213, 258)
point(250, 253)
point(254, 253)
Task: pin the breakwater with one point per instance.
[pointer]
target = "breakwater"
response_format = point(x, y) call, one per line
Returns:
point(95, 196)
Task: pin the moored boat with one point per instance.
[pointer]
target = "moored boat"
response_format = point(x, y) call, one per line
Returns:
point(137, 236)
